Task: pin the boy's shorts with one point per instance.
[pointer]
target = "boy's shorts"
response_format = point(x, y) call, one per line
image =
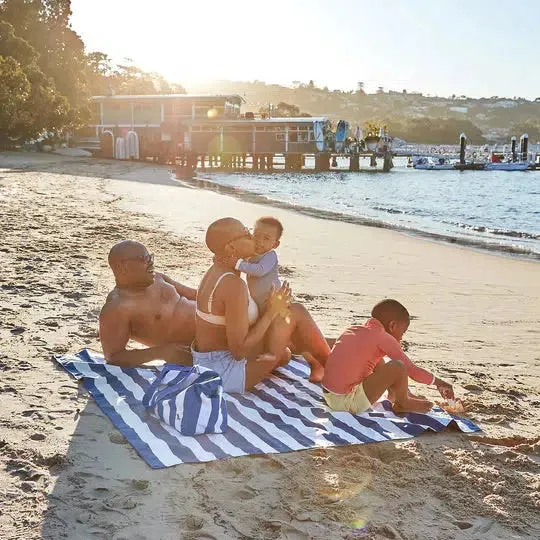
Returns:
point(355, 401)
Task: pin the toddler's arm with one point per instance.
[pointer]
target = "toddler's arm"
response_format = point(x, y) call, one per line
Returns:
point(259, 269)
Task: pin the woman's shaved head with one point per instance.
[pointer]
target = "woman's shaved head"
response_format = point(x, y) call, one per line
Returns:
point(221, 232)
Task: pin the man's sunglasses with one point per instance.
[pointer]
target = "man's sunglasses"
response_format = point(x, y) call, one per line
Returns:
point(148, 258)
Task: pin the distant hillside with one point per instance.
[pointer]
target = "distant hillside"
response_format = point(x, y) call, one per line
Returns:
point(496, 118)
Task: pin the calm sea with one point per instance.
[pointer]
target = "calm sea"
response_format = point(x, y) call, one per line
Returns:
point(492, 210)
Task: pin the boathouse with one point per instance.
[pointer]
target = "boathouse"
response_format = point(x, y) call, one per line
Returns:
point(141, 126)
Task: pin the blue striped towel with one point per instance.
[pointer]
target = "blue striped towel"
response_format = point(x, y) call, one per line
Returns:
point(284, 413)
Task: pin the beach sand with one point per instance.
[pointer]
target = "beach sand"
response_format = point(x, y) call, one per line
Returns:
point(68, 473)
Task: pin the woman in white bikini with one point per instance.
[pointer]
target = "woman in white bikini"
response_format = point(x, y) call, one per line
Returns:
point(230, 336)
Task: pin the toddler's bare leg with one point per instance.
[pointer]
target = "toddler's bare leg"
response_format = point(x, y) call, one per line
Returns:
point(317, 371)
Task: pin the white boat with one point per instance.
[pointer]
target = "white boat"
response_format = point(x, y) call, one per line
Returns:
point(509, 166)
point(424, 164)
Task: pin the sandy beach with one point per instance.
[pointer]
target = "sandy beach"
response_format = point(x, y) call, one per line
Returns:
point(68, 473)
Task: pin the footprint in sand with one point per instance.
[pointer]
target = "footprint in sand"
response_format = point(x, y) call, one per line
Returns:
point(192, 523)
point(246, 494)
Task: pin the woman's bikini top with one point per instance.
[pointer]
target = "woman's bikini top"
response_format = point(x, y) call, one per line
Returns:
point(253, 310)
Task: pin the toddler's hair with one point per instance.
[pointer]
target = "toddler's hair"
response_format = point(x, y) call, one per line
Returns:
point(273, 222)
point(389, 310)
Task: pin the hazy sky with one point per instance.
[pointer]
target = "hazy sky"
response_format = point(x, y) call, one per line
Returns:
point(473, 47)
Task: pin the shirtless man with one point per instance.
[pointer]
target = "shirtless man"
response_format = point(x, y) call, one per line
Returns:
point(148, 307)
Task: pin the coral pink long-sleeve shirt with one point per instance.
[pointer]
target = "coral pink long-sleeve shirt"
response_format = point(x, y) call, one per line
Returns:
point(356, 354)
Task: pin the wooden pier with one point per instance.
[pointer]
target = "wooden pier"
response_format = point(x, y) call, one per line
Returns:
point(187, 163)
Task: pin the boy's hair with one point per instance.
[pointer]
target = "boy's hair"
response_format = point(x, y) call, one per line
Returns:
point(273, 222)
point(390, 310)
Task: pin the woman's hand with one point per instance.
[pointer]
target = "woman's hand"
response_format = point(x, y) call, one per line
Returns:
point(279, 300)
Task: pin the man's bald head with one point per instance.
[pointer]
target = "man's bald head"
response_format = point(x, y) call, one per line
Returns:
point(126, 249)
point(221, 232)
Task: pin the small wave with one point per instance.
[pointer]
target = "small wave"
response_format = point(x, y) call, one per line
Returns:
point(498, 232)
point(388, 210)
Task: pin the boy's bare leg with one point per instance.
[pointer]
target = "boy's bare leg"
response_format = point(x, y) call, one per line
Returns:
point(393, 376)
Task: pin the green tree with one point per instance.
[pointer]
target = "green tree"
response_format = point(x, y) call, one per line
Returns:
point(30, 101)
point(44, 25)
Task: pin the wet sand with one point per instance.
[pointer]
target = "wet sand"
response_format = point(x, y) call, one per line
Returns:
point(66, 472)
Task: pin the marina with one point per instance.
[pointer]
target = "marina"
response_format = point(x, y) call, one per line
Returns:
point(211, 133)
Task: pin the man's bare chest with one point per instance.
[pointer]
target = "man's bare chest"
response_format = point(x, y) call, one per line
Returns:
point(157, 306)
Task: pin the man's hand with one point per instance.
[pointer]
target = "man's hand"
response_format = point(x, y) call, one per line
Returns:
point(176, 353)
point(444, 388)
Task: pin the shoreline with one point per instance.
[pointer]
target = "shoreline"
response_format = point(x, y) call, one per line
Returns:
point(69, 474)
point(207, 183)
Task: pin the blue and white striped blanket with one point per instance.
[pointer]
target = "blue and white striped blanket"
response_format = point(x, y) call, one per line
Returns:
point(284, 413)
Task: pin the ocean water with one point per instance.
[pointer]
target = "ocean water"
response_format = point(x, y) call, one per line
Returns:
point(498, 211)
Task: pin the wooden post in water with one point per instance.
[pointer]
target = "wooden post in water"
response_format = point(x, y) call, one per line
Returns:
point(322, 161)
point(524, 146)
point(387, 163)
point(514, 151)
point(354, 163)
point(462, 147)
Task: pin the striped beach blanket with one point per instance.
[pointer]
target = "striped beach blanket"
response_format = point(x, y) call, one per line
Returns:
point(284, 413)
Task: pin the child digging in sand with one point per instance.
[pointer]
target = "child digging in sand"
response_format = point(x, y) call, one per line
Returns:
point(356, 376)
point(262, 273)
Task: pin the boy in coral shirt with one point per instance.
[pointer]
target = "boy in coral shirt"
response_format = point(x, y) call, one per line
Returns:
point(356, 375)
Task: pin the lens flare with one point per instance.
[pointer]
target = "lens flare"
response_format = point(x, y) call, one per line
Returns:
point(358, 524)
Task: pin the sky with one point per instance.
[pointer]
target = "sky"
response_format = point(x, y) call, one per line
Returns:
point(479, 48)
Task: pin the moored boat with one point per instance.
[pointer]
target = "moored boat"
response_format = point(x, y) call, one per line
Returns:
point(508, 166)
point(441, 164)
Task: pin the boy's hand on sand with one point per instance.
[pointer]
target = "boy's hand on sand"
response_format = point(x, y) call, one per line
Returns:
point(444, 388)
point(279, 300)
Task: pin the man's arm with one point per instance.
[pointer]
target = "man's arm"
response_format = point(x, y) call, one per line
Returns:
point(183, 290)
point(114, 333)
point(259, 269)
